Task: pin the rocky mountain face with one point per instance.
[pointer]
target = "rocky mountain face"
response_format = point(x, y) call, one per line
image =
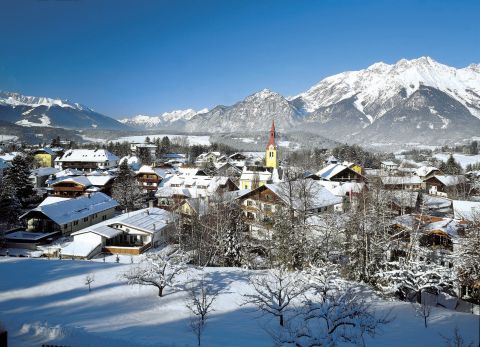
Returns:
point(29, 111)
point(418, 100)
point(251, 114)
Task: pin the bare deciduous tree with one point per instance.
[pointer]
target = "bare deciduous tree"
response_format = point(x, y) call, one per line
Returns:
point(274, 292)
point(89, 279)
point(158, 270)
point(201, 296)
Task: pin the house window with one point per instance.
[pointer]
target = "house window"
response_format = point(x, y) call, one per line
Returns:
point(85, 219)
point(249, 203)
point(104, 217)
point(75, 222)
point(268, 208)
point(64, 226)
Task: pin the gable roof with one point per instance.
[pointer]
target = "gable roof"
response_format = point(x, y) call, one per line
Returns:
point(400, 180)
point(319, 195)
point(332, 170)
point(87, 155)
point(66, 211)
point(450, 180)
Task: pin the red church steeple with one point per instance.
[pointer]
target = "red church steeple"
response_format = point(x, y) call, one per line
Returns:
point(271, 140)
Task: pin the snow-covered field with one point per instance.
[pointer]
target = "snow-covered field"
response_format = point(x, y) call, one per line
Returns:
point(47, 301)
point(462, 159)
point(203, 140)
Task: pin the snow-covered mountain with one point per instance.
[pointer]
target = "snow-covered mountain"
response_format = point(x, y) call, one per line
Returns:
point(31, 111)
point(168, 119)
point(255, 112)
point(377, 89)
point(436, 103)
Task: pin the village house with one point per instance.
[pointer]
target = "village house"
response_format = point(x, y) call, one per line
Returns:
point(129, 233)
point(402, 182)
point(138, 147)
point(340, 173)
point(44, 157)
point(40, 176)
point(87, 160)
point(388, 166)
point(149, 178)
point(74, 186)
point(253, 177)
point(425, 172)
point(447, 185)
point(261, 204)
point(178, 187)
point(206, 158)
point(56, 217)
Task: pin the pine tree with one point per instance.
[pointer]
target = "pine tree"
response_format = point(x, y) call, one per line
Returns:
point(18, 174)
point(9, 203)
point(451, 167)
point(165, 144)
point(126, 190)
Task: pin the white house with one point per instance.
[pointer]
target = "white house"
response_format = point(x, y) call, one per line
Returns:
point(129, 233)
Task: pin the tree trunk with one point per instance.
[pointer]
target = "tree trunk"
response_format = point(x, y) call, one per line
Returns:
point(281, 320)
point(160, 291)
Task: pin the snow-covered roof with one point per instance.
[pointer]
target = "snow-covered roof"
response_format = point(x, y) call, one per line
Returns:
point(46, 150)
point(86, 181)
point(248, 175)
point(451, 180)
point(468, 210)
point(319, 195)
point(69, 172)
point(52, 199)
point(332, 170)
point(343, 188)
point(400, 180)
point(425, 170)
point(149, 220)
point(44, 171)
point(87, 155)
point(190, 186)
point(389, 163)
point(66, 211)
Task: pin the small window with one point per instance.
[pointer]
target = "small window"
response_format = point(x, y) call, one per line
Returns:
point(75, 222)
point(64, 226)
point(85, 219)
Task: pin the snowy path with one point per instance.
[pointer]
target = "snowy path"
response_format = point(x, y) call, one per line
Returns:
point(47, 301)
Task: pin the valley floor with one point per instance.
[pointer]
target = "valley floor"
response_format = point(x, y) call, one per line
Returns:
point(47, 301)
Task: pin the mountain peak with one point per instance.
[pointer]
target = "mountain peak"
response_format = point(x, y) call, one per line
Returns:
point(263, 94)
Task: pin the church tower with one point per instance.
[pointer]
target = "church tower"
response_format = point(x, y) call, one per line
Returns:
point(271, 159)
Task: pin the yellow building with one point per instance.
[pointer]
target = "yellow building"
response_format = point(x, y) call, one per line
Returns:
point(44, 157)
point(271, 158)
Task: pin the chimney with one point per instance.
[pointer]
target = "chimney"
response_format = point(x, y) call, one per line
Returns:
point(154, 227)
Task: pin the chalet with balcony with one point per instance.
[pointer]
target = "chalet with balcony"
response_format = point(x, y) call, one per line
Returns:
point(261, 205)
point(74, 186)
point(87, 160)
point(149, 178)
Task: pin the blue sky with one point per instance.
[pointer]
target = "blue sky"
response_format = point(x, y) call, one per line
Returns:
point(130, 57)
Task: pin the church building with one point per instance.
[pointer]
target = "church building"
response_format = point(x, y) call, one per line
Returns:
point(271, 158)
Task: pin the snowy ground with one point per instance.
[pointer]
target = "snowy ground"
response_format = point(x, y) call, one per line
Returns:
point(462, 159)
point(192, 139)
point(47, 301)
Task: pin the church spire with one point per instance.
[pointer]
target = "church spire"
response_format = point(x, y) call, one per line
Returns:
point(271, 140)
